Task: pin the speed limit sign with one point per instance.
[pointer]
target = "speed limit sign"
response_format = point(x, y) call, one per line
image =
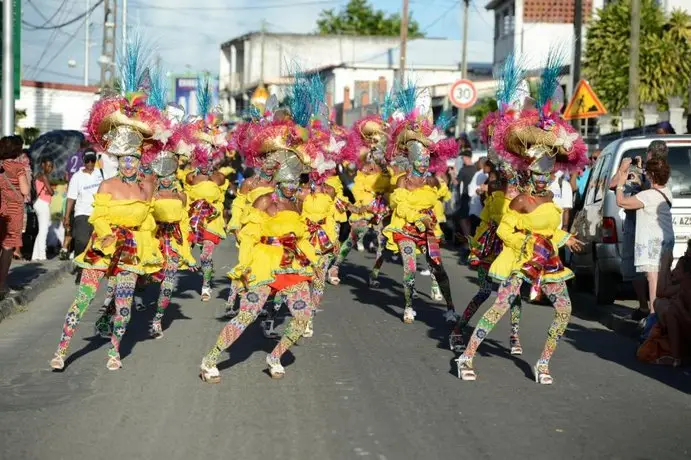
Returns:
point(463, 94)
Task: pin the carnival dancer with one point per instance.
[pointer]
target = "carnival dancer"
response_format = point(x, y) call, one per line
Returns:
point(367, 142)
point(414, 226)
point(485, 246)
point(276, 256)
point(206, 186)
point(539, 141)
point(122, 244)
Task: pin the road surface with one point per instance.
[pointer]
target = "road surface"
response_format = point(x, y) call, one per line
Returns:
point(366, 386)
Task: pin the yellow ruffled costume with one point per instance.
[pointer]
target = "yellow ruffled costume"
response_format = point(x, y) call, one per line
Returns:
point(318, 215)
point(135, 215)
point(496, 205)
point(214, 194)
point(516, 231)
point(366, 187)
point(335, 182)
point(173, 211)
point(243, 203)
point(262, 261)
point(409, 207)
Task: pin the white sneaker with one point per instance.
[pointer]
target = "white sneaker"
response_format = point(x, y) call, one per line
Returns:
point(451, 316)
point(206, 294)
point(436, 295)
point(425, 272)
point(409, 315)
point(360, 246)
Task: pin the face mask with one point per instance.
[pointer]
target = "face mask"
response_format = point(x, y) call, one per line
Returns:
point(128, 167)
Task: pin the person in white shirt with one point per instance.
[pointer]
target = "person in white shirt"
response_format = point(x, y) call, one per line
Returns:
point(80, 198)
point(475, 204)
point(563, 197)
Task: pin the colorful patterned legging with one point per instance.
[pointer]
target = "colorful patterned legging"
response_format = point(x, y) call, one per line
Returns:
point(509, 291)
point(299, 301)
point(319, 280)
point(124, 291)
point(167, 287)
point(407, 249)
point(480, 298)
point(358, 230)
point(206, 262)
point(381, 247)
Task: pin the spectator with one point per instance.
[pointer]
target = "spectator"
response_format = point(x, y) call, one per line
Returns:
point(654, 231)
point(74, 161)
point(475, 191)
point(563, 198)
point(635, 182)
point(664, 128)
point(80, 199)
point(25, 159)
point(44, 195)
point(464, 180)
point(669, 341)
point(14, 188)
point(583, 177)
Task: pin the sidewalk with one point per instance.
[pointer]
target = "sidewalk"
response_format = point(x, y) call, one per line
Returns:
point(29, 279)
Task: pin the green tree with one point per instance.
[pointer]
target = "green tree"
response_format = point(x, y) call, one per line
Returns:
point(665, 54)
point(360, 18)
point(482, 108)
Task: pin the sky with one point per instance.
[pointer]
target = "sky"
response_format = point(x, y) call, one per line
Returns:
point(187, 36)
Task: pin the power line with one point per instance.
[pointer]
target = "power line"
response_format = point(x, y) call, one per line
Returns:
point(58, 74)
point(442, 16)
point(53, 34)
point(40, 13)
point(62, 48)
point(235, 8)
point(65, 24)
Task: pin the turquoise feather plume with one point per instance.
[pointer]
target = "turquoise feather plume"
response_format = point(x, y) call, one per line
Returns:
point(510, 76)
point(158, 91)
point(133, 65)
point(203, 96)
point(550, 76)
point(405, 97)
point(444, 121)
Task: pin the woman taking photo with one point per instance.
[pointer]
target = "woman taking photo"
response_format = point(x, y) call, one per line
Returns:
point(44, 194)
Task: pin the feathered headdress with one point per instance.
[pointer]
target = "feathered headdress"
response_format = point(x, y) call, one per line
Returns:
point(126, 124)
point(411, 123)
point(540, 139)
point(212, 143)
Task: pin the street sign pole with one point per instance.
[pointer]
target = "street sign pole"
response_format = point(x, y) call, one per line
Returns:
point(7, 68)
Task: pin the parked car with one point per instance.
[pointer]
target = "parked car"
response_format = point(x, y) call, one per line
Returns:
point(600, 222)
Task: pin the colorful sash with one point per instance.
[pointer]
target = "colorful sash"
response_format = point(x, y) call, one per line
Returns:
point(166, 233)
point(125, 250)
point(486, 248)
point(425, 239)
point(201, 211)
point(318, 237)
point(544, 260)
point(291, 251)
point(380, 209)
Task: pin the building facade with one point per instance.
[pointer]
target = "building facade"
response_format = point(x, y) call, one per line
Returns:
point(51, 106)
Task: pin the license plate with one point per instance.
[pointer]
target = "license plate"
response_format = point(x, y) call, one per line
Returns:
point(682, 226)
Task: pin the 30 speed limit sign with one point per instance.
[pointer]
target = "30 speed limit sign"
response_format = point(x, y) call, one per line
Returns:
point(463, 94)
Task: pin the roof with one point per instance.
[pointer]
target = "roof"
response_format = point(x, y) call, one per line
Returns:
point(429, 53)
point(256, 33)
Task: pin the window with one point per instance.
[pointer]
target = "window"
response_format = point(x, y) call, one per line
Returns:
point(679, 160)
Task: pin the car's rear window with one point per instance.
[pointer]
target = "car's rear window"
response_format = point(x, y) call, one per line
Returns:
point(680, 163)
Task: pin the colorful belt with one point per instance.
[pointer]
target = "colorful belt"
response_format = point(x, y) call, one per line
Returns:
point(166, 233)
point(291, 251)
point(544, 260)
point(487, 247)
point(125, 249)
point(318, 236)
point(201, 211)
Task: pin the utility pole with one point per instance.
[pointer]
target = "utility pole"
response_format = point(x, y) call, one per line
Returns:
point(464, 64)
point(577, 47)
point(7, 68)
point(263, 50)
point(404, 41)
point(107, 59)
point(634, 55)
point(87, 42)
point(124, 27)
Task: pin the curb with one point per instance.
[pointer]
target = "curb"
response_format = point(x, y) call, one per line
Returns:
point(18, 302)
point(613, 317)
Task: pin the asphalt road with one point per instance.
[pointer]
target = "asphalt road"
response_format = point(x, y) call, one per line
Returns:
point(366, 386)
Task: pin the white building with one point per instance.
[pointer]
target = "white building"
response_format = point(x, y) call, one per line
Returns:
point(357, 70)
point(51, 106)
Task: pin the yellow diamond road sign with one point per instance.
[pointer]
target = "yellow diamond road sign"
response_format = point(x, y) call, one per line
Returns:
point(584, 103)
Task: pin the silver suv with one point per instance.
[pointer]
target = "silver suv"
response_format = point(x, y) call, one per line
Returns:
point(600, 222)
